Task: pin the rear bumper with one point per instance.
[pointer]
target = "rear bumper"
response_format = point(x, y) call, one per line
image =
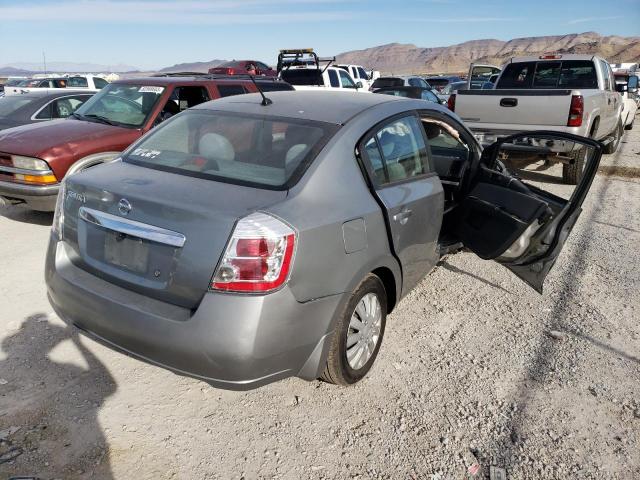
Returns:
point(487, 133)
point(235, 342)
point(36, 197)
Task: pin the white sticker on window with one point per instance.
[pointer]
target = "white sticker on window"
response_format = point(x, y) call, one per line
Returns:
point(149, 89)
point(146, 153)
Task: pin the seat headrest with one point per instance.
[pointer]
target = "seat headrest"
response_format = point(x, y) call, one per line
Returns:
point(217, 147)
point(387, 143)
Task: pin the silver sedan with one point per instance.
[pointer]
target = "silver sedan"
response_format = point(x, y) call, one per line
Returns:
point(245, 241)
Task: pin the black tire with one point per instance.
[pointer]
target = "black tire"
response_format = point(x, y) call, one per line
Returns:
point(630, 126)
point(613, 146)
point(337, 369)
point(572, 174)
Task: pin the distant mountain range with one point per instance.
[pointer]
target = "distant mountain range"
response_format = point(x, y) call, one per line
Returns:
point(405, 58)
point(25, 68)
point(193, 66)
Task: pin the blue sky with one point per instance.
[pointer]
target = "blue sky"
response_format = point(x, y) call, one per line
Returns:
point(158, 33)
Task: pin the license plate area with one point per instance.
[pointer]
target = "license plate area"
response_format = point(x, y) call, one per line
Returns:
point(125, 251)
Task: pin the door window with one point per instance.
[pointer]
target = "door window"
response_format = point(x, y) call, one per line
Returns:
point(401, 151)
point(429, 95)
point(64, 107)
point(363, 73)
point(333, 79)
point(417, 82)
point(100, 82)
point(346, 79)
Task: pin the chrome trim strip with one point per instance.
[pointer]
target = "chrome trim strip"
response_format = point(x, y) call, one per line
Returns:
point(131, 227)
point(24, 171)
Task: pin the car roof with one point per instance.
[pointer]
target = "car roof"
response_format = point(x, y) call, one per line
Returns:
point(329, 107)
point(164, 81)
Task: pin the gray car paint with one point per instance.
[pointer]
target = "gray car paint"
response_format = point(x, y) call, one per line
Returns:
point(243, 341)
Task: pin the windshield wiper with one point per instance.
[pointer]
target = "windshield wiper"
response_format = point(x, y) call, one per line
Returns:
point(101, 119)
point(77, 115)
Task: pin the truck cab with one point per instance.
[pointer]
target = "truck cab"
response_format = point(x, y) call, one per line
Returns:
point(359, 74)
point(303, 69)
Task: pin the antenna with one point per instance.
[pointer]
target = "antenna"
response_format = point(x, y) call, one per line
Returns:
point(265, 101)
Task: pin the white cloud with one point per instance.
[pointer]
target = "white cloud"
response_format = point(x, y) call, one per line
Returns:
point(592, 19)
point(218, 12)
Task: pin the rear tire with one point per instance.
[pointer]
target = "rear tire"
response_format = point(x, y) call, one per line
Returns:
point(613, 146)
point(344, 366)
point(630, 126)
point(572, 173)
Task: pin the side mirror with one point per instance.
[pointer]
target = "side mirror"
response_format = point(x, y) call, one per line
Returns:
point(358, 85)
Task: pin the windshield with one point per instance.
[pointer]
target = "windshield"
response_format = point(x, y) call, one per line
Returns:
point(121, 104)
point(245, 149)
point(9, 105)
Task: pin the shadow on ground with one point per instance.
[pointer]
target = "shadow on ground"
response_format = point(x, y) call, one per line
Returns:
point(48, 425)
point(24, 215)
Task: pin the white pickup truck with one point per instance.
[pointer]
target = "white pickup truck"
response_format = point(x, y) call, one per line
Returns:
point(564, 93)
point(303, 69)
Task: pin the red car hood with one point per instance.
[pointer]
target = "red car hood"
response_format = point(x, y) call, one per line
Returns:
point(62, 142)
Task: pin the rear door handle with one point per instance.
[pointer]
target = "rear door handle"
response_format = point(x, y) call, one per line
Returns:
point(508, 102)
point(403, 216)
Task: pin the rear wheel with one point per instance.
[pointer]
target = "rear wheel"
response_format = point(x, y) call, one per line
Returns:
point(572, 173)
point(613, 146)
point(358, 335)
point(630, 126)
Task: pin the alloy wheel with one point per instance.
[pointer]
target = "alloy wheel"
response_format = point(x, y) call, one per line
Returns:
point(364, 331)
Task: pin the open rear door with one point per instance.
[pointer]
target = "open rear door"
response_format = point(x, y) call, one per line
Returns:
point(521, 215)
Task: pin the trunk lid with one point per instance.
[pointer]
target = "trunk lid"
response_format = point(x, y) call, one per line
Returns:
point(514, 107)
point(168, 244)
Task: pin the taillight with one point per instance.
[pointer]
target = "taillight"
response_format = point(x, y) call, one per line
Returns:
point(230, 71)
point(58, 217)
point(451, 102)
point(258, 257)
point(576, 111)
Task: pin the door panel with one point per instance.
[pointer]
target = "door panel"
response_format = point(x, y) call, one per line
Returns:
point(411, 197)
point(524, 225)
point(414, 213)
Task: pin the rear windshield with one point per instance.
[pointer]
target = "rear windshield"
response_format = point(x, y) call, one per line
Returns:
point(549, 74)
point(267, 152)
point(388, 82)
point(302, 76)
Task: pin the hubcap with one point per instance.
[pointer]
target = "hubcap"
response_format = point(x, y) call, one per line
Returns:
point(364, 331)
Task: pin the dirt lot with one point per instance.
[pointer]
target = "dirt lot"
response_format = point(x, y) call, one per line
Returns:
point(475, 366)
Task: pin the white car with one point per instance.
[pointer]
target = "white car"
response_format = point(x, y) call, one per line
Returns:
point(359, 74)
point(627, 86)
point(91, 83)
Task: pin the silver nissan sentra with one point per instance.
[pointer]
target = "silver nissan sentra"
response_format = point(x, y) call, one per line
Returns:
point(245, 241)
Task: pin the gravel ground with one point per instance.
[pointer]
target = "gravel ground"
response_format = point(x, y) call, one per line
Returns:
point(475, 367)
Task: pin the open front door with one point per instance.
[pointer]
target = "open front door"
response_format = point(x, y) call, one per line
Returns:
point(521, 215)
